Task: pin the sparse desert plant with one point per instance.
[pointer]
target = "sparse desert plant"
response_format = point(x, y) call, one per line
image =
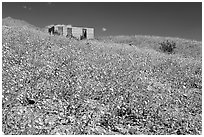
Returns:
point(167, 46)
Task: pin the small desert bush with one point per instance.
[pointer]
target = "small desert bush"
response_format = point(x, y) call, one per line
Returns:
point(167, 47)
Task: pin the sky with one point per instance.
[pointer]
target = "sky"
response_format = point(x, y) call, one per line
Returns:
point(183, 20)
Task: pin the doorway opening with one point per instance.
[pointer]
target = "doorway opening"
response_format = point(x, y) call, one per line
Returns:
point(69, 32)
point(84, 34)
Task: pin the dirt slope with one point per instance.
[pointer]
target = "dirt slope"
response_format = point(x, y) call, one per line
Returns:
point(185, 48)
point(11, 22)
point(54, 85)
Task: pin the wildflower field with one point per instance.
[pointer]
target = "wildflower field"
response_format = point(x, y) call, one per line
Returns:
point(55, 85)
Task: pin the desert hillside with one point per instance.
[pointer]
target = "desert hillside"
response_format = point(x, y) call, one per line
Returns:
point(55, 85)
point(8, 21)
point(185, 48)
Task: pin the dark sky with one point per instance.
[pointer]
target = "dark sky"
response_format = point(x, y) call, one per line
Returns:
point(182, 20)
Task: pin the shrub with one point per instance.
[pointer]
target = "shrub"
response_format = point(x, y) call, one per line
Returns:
point(167, 47)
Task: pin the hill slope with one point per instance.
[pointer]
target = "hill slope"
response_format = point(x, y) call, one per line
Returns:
point(54, 85)
point(185, 48)
point(11, 22)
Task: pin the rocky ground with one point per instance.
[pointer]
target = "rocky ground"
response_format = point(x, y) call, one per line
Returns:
point(54, 85)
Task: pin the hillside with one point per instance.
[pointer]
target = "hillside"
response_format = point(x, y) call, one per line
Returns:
point(11, 22)
point(185, 48)
point(54, 85)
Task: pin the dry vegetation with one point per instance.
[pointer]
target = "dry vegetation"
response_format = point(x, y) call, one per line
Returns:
point(184, 48)
point(54, 85)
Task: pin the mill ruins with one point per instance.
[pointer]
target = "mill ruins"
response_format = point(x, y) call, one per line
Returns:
point(70, 31)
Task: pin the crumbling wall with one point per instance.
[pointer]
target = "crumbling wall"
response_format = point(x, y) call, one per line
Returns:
point(90, 33)
point(77, 32)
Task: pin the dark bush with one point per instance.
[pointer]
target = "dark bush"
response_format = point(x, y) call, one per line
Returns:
point(167, 47)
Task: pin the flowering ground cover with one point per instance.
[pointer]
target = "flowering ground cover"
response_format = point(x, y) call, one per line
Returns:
point(54, 85)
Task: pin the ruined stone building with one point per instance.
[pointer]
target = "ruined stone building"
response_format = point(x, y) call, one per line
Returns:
point(70, 31)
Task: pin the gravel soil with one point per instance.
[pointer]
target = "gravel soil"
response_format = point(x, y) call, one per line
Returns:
point(54, 85)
